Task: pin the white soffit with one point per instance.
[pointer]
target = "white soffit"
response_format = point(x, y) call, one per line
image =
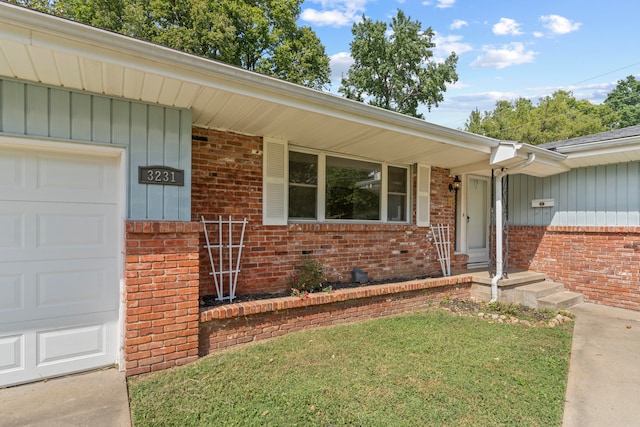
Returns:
point(45, 49)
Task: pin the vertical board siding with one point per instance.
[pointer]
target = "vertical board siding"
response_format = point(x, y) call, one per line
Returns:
point(154, 135)
point(601, 195)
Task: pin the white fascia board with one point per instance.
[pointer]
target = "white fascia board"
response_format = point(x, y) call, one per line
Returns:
point(52, 32)
point(598, 155)
point(613, 146)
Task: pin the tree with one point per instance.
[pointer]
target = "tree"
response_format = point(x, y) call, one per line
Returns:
point(259, 35)
point(396, 72)
point(624, 100)
point(556, 117)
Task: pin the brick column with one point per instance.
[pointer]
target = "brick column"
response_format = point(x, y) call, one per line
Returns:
point(162, 281)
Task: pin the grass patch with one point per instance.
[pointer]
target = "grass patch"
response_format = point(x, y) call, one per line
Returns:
point(426, 368)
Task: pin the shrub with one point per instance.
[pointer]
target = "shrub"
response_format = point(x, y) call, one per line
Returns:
point(307, 276)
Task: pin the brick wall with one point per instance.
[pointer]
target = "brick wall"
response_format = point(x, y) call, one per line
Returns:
point(161, 314)
point(227, 180)
point(601, 263)
point(234, 324)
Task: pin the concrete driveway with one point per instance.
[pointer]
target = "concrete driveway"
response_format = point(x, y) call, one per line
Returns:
point(96, 399)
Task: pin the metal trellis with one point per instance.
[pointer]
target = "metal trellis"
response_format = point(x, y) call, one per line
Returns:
point(442, 240)
point(228, 253)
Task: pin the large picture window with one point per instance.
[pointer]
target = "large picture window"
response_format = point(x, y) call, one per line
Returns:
point(331, 188)
point(353, 189)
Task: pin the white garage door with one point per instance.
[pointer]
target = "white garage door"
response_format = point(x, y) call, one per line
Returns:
point(59, 281)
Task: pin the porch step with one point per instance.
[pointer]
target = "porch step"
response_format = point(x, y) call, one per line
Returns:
point(529, 288)
point(531, 294)
point(560, 300)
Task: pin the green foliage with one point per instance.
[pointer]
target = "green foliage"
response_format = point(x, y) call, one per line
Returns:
point(307, 277)
point(556, 117)
point(624, 101)
point(259, 35)
point(424, 369)
point(393, 66)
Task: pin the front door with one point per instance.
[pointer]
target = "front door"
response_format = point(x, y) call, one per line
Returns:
point(477, 219)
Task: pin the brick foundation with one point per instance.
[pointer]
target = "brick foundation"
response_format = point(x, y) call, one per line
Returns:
point(227, 180)
point(161, 314)
point(601, 263)
point(235, 324)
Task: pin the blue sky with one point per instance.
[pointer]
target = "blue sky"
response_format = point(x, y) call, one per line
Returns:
point(507, 48)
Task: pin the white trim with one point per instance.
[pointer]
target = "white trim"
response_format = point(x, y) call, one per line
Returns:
point(53, 145)
point(321, 189)
point(51, 32)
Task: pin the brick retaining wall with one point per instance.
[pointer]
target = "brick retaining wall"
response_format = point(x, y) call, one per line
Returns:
point(235, 324)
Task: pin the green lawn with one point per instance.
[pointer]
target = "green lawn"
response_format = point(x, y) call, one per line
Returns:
point(423, 369)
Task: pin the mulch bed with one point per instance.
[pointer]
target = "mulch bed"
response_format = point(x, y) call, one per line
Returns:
point(211, 301)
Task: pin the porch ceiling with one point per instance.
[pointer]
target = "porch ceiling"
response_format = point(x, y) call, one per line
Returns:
point(44, 49)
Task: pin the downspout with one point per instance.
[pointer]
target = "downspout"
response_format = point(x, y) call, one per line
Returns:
point(499, 263)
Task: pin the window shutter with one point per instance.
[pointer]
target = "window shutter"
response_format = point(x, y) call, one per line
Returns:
point(275, 182)
point(423, 198)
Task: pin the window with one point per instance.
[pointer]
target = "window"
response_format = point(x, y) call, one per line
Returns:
point(303, 185)
point(331, 188)
point(397, 194)
point(353, 189)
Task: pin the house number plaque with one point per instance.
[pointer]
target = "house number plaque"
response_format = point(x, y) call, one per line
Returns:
point(160, 175)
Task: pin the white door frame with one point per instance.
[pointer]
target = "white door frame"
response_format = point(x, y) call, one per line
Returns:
point(463, 214)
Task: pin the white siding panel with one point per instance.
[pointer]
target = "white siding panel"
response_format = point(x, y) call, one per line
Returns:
point(155, 156)
point(37, 120)
point(60, 114)
point(137, 157)
point(154, 135)
point(81, 116)
point(602, 195)
point(101, 120)
point(13, 117)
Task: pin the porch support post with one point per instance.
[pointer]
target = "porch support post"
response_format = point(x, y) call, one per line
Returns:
point(498, 213)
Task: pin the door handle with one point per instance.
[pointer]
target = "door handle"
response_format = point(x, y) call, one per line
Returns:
point(468, 219)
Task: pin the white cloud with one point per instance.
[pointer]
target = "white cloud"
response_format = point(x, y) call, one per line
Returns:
point(506, 56)
point(538, 34)
point(457, 24)
point(559, 25)
point(447, 44)
point(336, 13)
point(443, 4)
point(507, 26)
point(340, 63)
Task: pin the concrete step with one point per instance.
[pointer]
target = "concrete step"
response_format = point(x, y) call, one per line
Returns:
point(529, 295)
point(518, 278)
point(560, 300)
